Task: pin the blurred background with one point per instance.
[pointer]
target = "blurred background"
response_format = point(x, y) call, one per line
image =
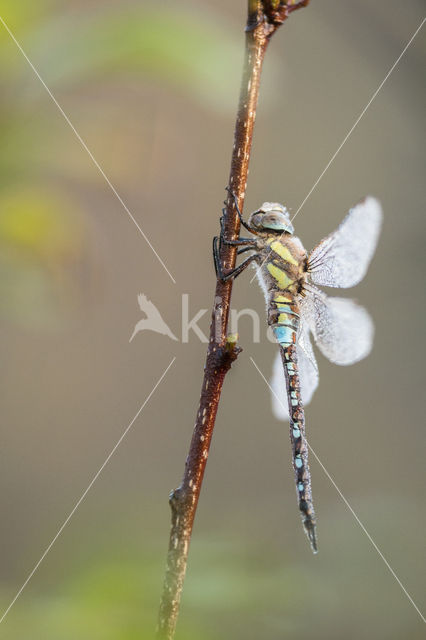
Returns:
point(152, 89)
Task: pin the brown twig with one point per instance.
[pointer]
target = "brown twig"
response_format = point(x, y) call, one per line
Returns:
point(264, 17)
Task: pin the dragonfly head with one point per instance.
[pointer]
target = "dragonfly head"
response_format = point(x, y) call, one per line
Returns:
point(271, 216)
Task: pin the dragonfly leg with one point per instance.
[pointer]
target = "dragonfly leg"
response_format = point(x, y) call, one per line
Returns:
point(239, 243)
point(232, 273)
point(233, 243)
point(240, 215)
point(249, 244)
point(240, 251)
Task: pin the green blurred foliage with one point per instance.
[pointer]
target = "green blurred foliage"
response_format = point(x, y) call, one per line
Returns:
point(34, 222)
point(186, 49)
point(22, 14)
point(118, 600)
point(42, 251)
point(104, 602)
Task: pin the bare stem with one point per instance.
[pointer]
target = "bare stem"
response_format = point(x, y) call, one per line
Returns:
point(264, 17)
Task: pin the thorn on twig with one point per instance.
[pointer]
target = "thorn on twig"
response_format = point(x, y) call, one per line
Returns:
point(227, 353)
point(175, 498)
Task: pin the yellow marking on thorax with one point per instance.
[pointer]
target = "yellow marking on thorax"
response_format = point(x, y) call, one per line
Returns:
point(283, 252)
point(280, 276)
point(282, 318)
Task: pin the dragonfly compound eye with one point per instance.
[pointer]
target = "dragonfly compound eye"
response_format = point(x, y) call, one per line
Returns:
point(277, 221)
point(272, 216)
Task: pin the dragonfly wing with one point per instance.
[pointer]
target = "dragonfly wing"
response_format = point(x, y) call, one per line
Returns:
point(308, 368)
point(342, 258)
point(278, 390)
point(342, 329)
point(308, 375)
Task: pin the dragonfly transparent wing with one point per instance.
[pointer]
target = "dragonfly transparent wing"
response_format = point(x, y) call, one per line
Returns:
point(342, 258)
point(342, 329)
point(308, 375)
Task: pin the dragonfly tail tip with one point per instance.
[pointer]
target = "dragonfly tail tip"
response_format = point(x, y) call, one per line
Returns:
point(311, 532)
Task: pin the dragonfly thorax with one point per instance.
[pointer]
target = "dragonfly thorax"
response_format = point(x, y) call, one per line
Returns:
point(271, 216)
point(283, 265)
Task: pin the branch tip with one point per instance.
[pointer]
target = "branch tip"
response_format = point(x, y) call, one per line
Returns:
point(271, 13)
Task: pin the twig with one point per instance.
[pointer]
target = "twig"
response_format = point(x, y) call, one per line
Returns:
point(264, 17)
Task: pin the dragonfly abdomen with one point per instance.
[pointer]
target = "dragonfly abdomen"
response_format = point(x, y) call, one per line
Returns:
point(298, 442)
point(283, 316)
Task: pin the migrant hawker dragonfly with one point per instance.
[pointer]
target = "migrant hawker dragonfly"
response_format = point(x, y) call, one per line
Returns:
point(296, 308)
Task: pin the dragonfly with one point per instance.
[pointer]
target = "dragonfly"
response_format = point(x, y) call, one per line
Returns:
point(298, 310)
